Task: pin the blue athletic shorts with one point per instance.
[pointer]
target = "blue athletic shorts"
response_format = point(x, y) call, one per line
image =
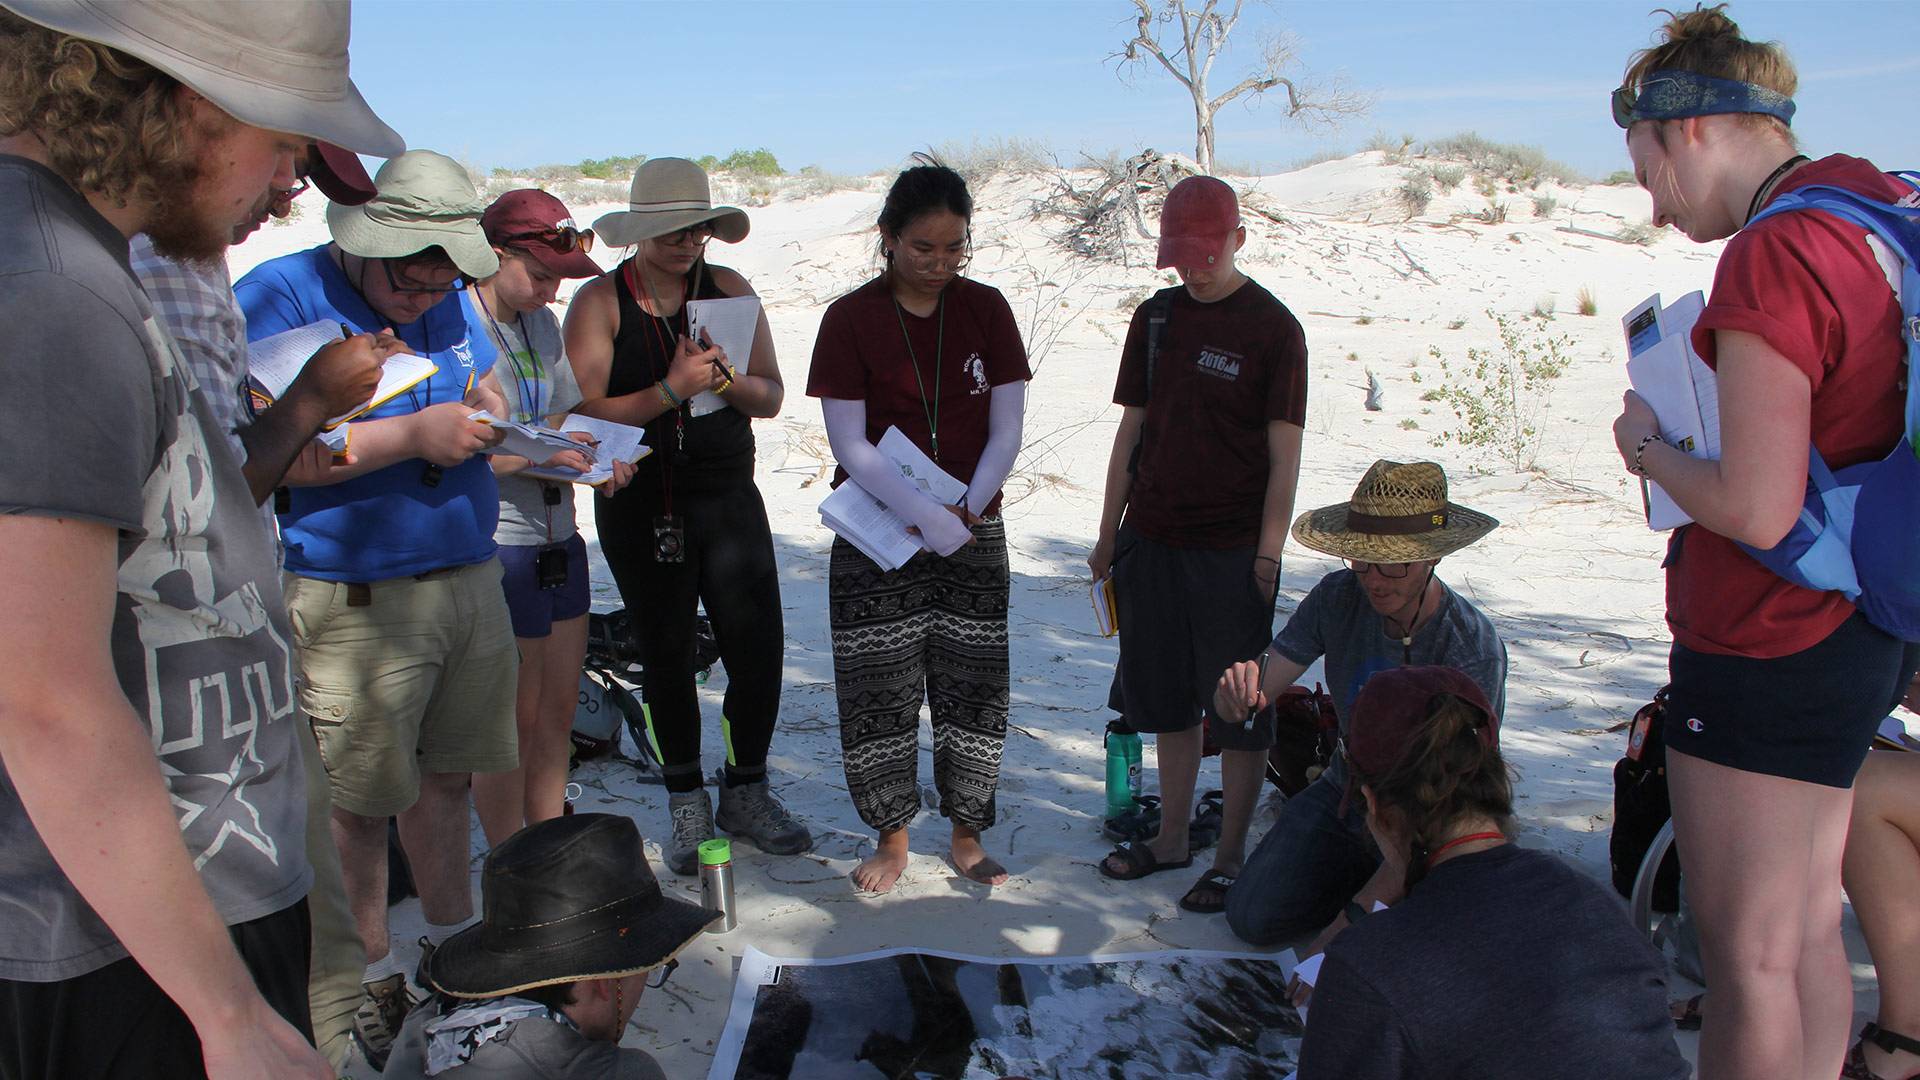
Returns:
point(533, 609)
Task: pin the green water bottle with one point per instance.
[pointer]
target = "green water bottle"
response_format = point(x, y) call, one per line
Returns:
point(1123, 767)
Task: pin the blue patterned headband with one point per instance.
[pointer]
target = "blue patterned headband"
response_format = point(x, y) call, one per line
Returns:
point(1672, 94)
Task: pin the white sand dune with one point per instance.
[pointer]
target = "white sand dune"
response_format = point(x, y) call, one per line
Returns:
point(1571, 579)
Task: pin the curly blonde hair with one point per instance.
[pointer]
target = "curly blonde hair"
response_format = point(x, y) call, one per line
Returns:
point(1706, 42)
point(112, 126)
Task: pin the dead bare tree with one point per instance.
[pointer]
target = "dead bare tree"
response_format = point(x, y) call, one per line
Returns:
point(1186, 42)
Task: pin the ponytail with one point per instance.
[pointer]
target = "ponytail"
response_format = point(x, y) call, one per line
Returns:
point(1450, 770)
point(1706, 42)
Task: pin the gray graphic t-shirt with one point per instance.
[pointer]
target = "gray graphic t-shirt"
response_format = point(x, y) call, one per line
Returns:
point(537, 381)
point(200, 636)
point(1336, 621)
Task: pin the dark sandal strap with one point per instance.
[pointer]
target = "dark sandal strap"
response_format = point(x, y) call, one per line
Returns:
point(1891, 1041)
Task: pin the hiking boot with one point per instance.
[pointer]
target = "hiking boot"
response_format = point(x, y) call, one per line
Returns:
point(750, 810)
point(692, 815)
point(378, 1020)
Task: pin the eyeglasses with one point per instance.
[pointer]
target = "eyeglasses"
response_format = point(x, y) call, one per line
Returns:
point(936, 260)
point(562, 240)
point(692, 234)
point(661, 974)
point(428, 288)
point(1392, 570)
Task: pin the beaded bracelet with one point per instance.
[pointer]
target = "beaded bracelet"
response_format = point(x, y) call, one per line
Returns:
point(668, 397)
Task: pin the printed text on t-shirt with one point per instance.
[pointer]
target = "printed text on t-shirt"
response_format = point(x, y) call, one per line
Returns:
point(1221, 364)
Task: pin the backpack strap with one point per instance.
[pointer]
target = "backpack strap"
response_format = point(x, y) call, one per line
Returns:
point(1159, 309)
point(1897, 225)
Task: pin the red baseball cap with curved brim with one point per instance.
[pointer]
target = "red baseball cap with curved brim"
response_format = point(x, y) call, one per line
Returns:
point(1199, 215)
point(515, 216)
point(338, 174)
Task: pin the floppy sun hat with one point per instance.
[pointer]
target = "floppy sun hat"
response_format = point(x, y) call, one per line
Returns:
point(1399, 513)
point(670, 194)
point(1198, 216)
point(425, 199)
point(281, 66)
point(567, 899)
point(337, 172)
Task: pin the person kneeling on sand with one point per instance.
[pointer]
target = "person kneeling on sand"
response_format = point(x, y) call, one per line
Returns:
point(1500, 962)
point(1386, 609)
point(576, 929)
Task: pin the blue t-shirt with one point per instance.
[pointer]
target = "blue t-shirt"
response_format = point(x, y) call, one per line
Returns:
point(388, 523)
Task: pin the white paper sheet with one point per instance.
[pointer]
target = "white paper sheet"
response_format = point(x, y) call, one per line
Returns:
point(868, 524)
point(729, 323)
point(1680, 387)
point(616, 442)
point(274, 362)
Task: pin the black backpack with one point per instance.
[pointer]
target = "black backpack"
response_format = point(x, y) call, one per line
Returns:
point(1641, 807)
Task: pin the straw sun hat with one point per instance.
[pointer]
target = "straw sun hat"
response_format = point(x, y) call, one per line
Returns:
point(280, 66)
point(1399, 513)
point(669, 194)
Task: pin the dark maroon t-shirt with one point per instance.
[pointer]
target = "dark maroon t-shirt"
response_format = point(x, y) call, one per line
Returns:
point(1224, 371)
point(861, 354)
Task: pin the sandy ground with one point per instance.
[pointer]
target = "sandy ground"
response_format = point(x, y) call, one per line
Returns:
point(1571, 579)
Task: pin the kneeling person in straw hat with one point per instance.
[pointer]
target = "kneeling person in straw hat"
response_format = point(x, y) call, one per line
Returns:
point(576, 929)
point(1386, 609)
point(156, 920)
point(407, 659)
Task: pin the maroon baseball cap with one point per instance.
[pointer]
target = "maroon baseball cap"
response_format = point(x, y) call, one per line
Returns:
point(339, 175)
point(535, 224)
point(1395, 704)
point(1199, 214)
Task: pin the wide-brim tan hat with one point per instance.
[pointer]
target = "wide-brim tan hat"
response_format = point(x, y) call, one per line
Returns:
point(426, 199)
point(280, 65)
point(670, 194)
point(1399, 513)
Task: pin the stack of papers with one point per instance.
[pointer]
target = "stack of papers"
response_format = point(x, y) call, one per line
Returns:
point(274, 362)
point(535, 442)
point(613, 442)
point(1681, 388)
point(866, 522)
point(729, 323)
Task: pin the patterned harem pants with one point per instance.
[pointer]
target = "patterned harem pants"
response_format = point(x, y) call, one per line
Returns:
point(935, 629)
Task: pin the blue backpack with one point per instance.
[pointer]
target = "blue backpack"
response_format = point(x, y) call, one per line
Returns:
point(1859, 528)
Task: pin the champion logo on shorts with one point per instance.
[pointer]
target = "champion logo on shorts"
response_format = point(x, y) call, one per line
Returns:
point(1694, 725)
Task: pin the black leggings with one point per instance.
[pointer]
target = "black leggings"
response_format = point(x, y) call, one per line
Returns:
point(729, 567)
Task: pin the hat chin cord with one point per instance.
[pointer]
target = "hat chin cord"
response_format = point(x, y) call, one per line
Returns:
point(1411, 623)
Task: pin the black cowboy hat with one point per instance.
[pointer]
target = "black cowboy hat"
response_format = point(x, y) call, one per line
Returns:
point(563, 900)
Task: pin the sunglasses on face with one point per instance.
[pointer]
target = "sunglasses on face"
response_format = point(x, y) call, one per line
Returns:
point(1391, 570)
point(692, 234)
point(562, 240)
point(409, 284)
point(1627, 98)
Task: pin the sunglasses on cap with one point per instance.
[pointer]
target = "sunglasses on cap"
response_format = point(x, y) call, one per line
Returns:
point(562, 239)
point(1676, 95)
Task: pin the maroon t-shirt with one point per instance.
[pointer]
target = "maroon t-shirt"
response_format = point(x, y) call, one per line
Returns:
point(1224, 370)
point(1808, 284)
point(862, 354)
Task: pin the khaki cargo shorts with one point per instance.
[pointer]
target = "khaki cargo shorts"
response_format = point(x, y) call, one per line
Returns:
point(405, 676)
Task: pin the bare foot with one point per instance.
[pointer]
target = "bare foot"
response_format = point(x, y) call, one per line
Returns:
point(878, 873)
point(972, 860)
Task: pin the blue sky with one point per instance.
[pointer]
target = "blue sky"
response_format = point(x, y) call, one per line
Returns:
point(856, 86)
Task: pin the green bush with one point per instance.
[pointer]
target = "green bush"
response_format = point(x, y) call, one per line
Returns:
point(759, 162)
point(1448, 177)
point(1416, 191)
point(1620, 178)
point(1513, 162)
point(611, 168)
point(1500, 397)
point(1543, 205)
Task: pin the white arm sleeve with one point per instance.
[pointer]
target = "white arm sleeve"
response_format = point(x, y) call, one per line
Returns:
point(1007, 410)
point(942, 529)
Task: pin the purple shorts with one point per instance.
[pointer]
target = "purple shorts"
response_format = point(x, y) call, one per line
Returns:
point(533, 609)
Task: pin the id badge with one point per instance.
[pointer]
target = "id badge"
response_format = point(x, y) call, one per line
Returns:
point(669, 541)
point(550, 567)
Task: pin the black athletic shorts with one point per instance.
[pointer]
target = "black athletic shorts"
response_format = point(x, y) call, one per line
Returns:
point(1807, 716)
point(114, 1023)
point(1185, 615)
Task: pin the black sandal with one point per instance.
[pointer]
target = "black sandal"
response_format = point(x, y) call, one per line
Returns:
point(1856, 1067)
point(1138, 862)
point(1208, 895)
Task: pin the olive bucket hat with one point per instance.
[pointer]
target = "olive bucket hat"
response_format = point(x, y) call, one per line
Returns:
point(425, 199)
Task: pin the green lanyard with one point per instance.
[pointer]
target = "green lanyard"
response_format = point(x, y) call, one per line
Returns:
point(939, 349)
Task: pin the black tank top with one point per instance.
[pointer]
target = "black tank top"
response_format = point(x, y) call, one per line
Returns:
point(718, 447)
